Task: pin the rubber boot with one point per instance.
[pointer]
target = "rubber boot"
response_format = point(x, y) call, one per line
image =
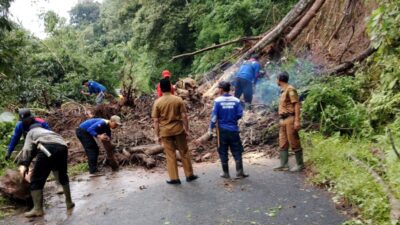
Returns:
point(299, 162)
point(239, 170)
point(37, 210)
point(225, 170)
point(67, 193)
point(59, 187)
point(284, 157)
point(247, 106)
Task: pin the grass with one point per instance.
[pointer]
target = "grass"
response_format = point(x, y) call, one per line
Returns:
point(77, 169)
point(328, 158)
point(6, 207)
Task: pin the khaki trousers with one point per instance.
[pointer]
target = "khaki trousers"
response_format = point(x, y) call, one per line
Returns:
point(287, 135)
point(170, 145)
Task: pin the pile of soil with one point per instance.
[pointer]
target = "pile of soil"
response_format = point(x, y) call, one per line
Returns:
point(137, 129)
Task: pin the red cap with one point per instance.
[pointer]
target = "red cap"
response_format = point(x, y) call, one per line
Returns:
point(166, 73)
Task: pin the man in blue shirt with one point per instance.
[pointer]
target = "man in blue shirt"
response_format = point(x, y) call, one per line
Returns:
point(95, 88)
point(226, 112)
point(26, 119)
point(246, 77)
point(22, 128)
point(95, 128)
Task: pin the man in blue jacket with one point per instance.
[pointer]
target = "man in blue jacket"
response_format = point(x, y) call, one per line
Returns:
point(226, 112)
point(95, 128)
point(95, 88)
point(246, 77)
point(26, 119)
point(22, 128)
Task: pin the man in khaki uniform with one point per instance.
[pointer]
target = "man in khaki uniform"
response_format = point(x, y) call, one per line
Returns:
point(171, 129)
point(289, 124)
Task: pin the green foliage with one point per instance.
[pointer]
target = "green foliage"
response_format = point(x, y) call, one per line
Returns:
point(384, 29)
point(85, 12)
point(6, 130)
point(329, 158)
point(334, 103)
point(5, 23)
point(220, 21)
point(77, 169)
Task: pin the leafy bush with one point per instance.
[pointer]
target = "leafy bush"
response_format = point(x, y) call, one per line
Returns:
point(328, 157)
point(6, 130)
point(334, 104)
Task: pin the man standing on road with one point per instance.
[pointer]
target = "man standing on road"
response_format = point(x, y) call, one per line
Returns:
point(51, 154)
point(289, 125)
point(26, 119)
point(100, 129)
point(246, 78)
point(226, 112)
point(171, 127)
point(166, 75)
point(95, 88)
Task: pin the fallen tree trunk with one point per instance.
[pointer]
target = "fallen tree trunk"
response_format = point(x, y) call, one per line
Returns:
point(216, 46)
point(274, 34)
point(144, 159)
point(304, 21)
point(348, 65)
point(152, 149)
point(393, 201)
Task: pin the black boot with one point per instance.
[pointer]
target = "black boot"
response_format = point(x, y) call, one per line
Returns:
point(239, 170)
point(225, 170)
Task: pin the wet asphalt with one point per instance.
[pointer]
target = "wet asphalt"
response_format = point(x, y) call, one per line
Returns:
point(136, 196)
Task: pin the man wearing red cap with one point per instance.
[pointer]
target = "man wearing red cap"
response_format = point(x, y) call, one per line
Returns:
point(166, 74)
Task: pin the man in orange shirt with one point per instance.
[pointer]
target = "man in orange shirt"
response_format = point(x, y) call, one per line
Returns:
point(166, 75)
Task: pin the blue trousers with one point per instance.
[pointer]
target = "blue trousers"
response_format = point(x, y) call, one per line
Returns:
point(244, 87)
point(229, 139)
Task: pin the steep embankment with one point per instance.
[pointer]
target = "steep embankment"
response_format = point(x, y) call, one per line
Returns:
point(337, 33)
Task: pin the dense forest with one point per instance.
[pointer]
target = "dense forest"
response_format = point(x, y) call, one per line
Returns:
point(348, 115)
point(116, 40)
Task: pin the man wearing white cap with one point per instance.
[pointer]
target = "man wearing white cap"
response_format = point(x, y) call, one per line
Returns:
point(100, 129)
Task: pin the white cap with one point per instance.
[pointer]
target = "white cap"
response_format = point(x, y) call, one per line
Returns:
point(116, 119)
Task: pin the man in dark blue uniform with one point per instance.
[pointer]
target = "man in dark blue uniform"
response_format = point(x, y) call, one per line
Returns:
point(95, 128)
point(95, 88)
point(26, 119)
point(246, 77)
point(22, 128)
point(226, 112)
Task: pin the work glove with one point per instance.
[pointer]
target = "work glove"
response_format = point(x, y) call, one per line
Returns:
point(8, 156)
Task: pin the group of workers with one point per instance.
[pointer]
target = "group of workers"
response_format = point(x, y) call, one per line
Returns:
point(171, 128)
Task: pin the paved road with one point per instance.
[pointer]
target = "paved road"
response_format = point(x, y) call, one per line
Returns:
point(143, 198)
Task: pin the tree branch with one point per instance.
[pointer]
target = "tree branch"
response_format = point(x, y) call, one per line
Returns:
point(216, 46)
point(304, 21)
point(349, 64)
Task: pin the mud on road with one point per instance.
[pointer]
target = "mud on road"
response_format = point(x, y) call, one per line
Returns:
point(135, 196)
